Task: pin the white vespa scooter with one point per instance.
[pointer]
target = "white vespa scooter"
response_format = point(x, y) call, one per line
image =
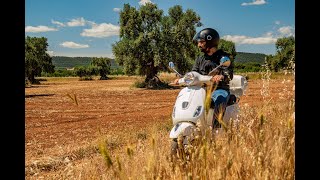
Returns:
point(189, 113)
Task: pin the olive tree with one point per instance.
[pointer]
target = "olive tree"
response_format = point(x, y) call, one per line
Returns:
point(37, 59)
point(149, 40)
point(103, 66)
point(285, 55)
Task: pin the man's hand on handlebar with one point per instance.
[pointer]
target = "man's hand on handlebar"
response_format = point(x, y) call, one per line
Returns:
point(217, 78)
point(175, 82)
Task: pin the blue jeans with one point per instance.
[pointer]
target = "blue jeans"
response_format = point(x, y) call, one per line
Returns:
point(220, 98)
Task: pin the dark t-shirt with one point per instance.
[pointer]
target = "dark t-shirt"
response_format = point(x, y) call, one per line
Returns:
point(205, 63)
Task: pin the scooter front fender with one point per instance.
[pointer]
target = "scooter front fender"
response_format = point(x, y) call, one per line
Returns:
point(181, 127)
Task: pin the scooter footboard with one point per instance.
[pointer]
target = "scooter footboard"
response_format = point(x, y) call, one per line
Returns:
point(182, 127)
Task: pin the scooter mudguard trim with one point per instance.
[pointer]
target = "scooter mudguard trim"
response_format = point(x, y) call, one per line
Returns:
point(181, 127)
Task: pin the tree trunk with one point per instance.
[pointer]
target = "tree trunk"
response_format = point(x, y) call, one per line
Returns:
point(104, 77)
point(152, 80)
point(32, 78)
point(150, 71)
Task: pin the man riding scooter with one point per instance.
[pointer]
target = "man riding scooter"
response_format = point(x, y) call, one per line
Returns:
point(207, 40)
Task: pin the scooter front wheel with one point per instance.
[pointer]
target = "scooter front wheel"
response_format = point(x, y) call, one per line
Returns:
point(178, 150)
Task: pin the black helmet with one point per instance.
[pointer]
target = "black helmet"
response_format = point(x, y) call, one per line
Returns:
point(211, 36)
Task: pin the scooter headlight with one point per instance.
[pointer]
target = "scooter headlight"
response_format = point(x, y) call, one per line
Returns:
point(189, 78)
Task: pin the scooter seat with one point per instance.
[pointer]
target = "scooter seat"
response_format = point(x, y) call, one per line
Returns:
point(232, 100)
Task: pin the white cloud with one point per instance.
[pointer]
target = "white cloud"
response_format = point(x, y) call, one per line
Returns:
point(254, 2)
point(116, 9)
point(39, 29)
point(69, 44)
point(286, 31)
point(85, 54)
point(77, 22)
point(268, 34)
point(267, 38)
point(97, 30)
point(91, 23)
point(238, 39)
point(143, 2)
point(101, 30)
point(50, 53)
point(277, 22)
point(58, 23)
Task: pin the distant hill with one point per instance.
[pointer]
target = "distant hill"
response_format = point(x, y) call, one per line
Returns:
point(63, 62)
point(243, 57)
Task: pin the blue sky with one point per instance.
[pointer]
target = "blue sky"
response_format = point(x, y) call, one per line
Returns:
point(90, 27)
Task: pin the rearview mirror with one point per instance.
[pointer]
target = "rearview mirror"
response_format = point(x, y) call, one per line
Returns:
point(171, 65)
point(225, 61)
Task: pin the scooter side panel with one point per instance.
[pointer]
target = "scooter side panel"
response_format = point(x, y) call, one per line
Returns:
point(231, 112)
point(238, 85)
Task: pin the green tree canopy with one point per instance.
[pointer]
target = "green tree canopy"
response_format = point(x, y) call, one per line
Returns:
point(285, 54)
point(37, 59)
point(178, 30)
point(149, 40)
point(103, 66)
point(86, 72)
point(229, 47)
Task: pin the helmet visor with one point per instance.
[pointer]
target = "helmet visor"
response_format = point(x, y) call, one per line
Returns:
point(198, 37)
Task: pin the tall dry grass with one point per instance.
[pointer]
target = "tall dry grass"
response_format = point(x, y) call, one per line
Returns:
point(260, 144)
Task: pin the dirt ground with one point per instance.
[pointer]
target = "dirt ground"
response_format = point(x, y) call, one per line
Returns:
point(54, 121)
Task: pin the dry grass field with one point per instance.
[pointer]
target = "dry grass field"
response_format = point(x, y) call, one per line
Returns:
point(107, 129)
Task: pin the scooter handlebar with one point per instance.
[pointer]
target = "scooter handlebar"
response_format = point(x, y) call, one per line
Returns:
point(179, 83)
point(194, 79)
point(204, 78)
